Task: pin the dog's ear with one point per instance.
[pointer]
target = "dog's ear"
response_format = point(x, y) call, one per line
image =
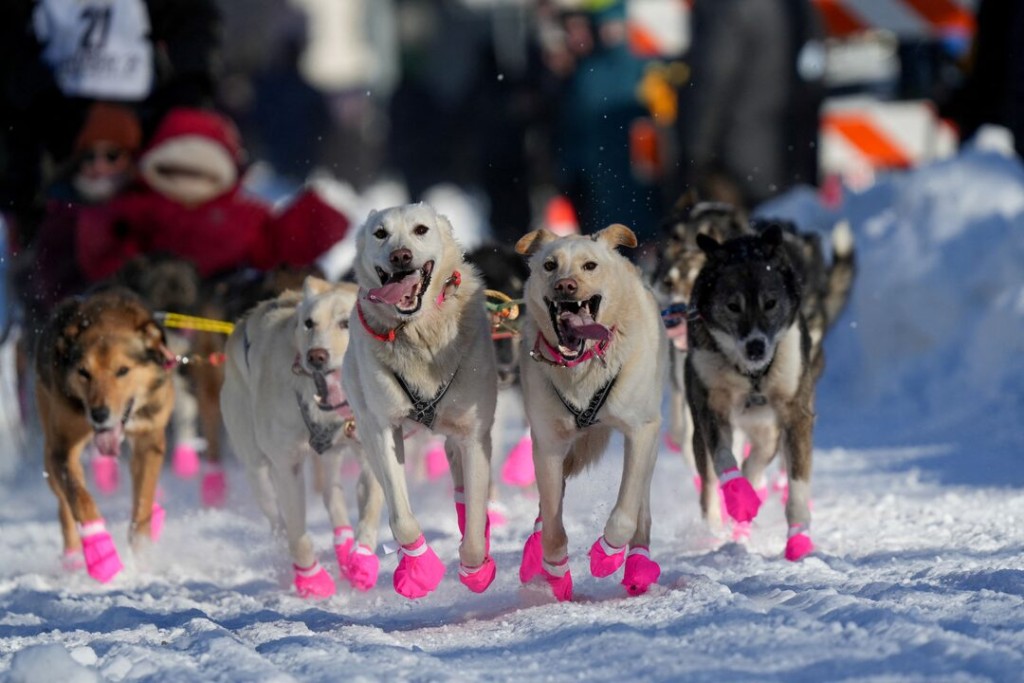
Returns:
point(154, 340)
point(617, 235)
point(686, 201)
point(531, 242)
point(708, 244)
point(771, 238)
point(313, 286)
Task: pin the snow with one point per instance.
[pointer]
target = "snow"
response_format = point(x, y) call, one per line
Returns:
point(917, 509)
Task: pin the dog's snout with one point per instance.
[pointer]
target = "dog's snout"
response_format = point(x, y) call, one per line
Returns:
point(99, 414)
point(318, 358)
point(400, 258)
point(566, 286)
point(755, 349)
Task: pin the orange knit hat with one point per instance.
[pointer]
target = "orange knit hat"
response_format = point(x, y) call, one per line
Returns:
point(113, 123)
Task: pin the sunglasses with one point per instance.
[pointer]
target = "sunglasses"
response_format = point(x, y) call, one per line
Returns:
point(111, 156)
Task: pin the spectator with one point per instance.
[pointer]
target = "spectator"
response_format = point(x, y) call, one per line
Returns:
point(749, 114)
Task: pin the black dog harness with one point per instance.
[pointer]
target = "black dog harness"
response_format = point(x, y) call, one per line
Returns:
point(321, 436)
point(424, 410)
point(588, 416)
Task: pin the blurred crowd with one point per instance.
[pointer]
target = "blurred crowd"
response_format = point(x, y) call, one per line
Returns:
point(136, 126)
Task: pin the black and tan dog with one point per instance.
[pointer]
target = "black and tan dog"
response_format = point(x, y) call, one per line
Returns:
point(750, 368)
point(101, 374)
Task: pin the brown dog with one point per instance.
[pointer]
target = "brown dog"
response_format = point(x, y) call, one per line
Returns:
point(100, 371)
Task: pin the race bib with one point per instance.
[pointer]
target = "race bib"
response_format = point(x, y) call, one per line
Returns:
point(97, 49)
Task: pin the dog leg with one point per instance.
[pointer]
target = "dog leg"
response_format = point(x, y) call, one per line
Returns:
point(68, 525)
point(609, 552)
point(311, 579)
point(641, 571)
point(363, 564)
point(763, 445)
point(550, 468)
point(327, 469)
point(147, 459)
point(419, 569)
point(741, 501)
point(476, 566)
point(185, 459)
point(798, 449)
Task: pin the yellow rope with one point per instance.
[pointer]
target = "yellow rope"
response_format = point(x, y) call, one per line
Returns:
point(192, 322)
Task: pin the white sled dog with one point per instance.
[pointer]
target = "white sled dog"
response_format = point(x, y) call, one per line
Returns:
point(421, 350)
point(750, 367)
point(594, 353)
point(282, 401)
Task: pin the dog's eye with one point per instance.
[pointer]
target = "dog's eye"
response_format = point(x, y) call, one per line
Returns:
point(308, 324)
point(121, 371)
point(550, 265)
point(420, 230)
point(769, 304)
point(590, 265)
point(84, 374)
point(343, 324)
point(380, 233)
point(734, 307)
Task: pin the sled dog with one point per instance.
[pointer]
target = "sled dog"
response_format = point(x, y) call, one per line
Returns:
point(593, 346)
point(282, 402)
point(421, 351)
point(101, 374)
point(749, 367)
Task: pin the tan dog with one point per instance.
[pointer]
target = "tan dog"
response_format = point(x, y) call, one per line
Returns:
point(421, 351)
point(594, 355)
point(100, 370)
point(282, 402)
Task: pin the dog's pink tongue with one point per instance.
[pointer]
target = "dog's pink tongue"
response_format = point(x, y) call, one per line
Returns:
point(394, 292)
point(335, 394)
point(108, 442)
point(585, 327)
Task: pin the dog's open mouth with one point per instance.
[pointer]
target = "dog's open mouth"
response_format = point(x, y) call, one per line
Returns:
point(108, 441)
point(403, 289)
point(575, 322)
point(329, 394)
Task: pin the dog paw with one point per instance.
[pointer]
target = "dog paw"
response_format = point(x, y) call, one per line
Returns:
point(313, 582)
point(106, 473)
point(419, 571)
point(214, 488)
point(363, 567)
point(101, 558)
point(185, 461)
point(518, 467)
point(741, 501)
point(799, 544)
point(72, 561)
point(533, 556)
point(156, 521)
point(641, 571)
point(477, 579)
point(343, 540)
point(605, 558)
point(559, 579)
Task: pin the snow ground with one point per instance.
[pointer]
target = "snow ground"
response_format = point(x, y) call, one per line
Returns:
point(918, 576)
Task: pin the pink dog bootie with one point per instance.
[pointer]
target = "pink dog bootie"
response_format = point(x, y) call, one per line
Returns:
point(559, 579)
point(641, 571)
point(605, 558)
point(214, 488)
point(72, 561)
point(741, 501)
point(313, 582)
point(671, 444)
point(344, 537)
point(363, 567)
point(101, 558)
point(105, 472)
point(156, 521)
point(419, 570)
point(460, 516)
point(477, 579)
point(437, 461)
point(533, 555)
point(518, 467)
point(185, 461)
point(799, 543)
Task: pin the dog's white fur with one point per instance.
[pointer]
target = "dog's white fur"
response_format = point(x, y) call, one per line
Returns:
point(637, 354)
point(432, 344)
point(260, 403)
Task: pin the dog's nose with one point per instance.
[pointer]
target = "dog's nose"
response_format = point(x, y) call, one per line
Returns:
point(755, 349)
point(566, 286)
point(318, 358)
point(400, 258)
point(99, 414)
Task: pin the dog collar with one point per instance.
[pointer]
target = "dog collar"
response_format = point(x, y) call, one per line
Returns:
point(541, 344)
